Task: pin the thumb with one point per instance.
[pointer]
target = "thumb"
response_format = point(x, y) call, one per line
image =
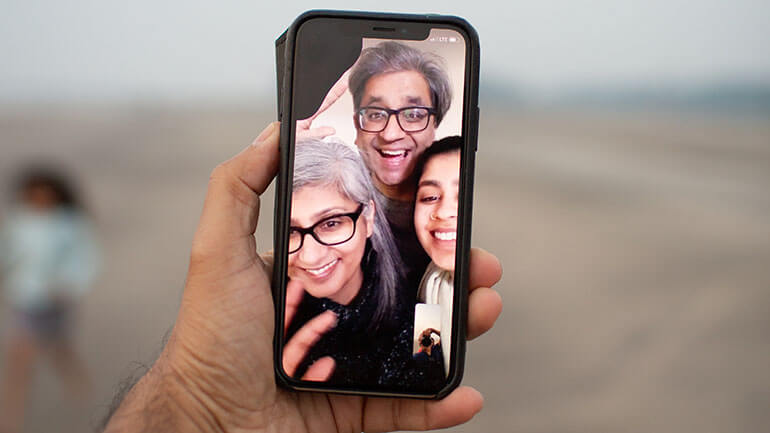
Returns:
point(231, 208)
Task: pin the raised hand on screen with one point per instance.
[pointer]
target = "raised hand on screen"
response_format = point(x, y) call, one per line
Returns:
point(305, 128)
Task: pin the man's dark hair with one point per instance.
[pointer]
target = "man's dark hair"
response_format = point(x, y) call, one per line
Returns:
point(395, 57)
point(453, 143)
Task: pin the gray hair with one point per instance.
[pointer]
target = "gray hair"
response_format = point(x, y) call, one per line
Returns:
point(333, 163)
point(395, 57)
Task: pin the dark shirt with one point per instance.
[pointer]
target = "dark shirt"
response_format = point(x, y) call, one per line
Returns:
point(368, 355)
point(400, 216)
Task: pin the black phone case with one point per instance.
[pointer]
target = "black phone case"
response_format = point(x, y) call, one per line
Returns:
point(284, 68)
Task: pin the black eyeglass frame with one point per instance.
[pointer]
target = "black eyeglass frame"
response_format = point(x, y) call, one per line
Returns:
point(311, 230)
point(360, 112)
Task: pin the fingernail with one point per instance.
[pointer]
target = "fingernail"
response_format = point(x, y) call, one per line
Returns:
point(265, 133)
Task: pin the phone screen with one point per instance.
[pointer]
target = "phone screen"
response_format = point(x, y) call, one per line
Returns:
point(373, 220)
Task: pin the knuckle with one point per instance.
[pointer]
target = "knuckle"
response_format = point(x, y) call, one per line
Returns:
point(220, 172)
point(199, 253)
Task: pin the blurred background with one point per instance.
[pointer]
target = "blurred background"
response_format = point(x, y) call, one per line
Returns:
point(622, 178)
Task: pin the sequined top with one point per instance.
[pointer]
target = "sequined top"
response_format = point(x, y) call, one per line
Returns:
point(368, 355)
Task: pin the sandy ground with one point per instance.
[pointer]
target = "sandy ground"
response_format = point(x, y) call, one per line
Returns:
point(636, 250)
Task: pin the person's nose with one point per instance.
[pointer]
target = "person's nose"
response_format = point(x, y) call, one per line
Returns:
point(312, 252)
point(392, 131)
point(447, 209)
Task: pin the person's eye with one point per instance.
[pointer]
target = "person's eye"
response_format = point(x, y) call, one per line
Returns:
point(375, 115)
point(330, 224)
point(428, 199)
point(413, 115)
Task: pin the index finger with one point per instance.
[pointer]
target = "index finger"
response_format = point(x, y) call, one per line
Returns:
point(484, 303)
point(294, 293)
point(306, 337)
point(485, 269)
point(337, 90)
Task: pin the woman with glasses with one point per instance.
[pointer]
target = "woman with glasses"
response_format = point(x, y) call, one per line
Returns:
point(345, 275)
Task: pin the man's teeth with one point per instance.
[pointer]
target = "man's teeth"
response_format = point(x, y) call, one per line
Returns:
point(445, 236)
point(321, 270)
point(393, 152)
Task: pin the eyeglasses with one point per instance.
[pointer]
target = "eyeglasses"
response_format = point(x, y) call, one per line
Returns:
point(410, 119)
point(333, 230)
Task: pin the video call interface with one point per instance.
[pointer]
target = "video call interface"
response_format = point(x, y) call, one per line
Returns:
point(373, 220)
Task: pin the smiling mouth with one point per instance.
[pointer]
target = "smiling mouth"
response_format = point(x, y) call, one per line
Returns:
point(401, 153)
point(445, 236)
point(323, 270)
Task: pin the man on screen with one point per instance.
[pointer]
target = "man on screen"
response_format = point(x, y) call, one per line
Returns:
point(400, 96)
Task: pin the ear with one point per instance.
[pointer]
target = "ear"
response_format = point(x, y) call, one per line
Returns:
point(369, 215)
point(359, 133)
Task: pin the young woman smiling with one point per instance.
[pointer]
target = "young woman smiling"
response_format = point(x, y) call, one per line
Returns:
point(435, 222)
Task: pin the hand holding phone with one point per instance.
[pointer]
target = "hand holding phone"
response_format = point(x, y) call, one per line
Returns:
point(216, 368)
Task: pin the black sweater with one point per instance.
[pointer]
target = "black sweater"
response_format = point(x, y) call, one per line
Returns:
point(366, 355)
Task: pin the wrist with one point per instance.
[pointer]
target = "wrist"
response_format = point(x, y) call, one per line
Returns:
point(162, 401)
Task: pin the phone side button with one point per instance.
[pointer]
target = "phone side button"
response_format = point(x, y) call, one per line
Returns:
point(476, 143)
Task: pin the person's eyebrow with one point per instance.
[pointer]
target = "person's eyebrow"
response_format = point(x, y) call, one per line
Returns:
point(374, 100)
point(429, 182)
point(415, 100)
point(329, 212)
point(318, 216)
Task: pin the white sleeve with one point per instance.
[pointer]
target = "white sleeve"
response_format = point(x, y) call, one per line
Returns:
point(81, 260)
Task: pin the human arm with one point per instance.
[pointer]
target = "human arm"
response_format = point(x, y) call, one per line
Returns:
point(215, 374)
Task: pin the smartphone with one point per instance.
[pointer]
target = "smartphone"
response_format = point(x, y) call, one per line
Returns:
point(379, 122)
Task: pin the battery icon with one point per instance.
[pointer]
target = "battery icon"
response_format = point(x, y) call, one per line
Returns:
point(452, 39)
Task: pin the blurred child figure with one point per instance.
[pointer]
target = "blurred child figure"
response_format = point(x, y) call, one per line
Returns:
point(435, 222)
point(47, 260)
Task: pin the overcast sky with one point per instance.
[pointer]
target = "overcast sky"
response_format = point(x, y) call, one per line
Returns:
point(146, 49)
